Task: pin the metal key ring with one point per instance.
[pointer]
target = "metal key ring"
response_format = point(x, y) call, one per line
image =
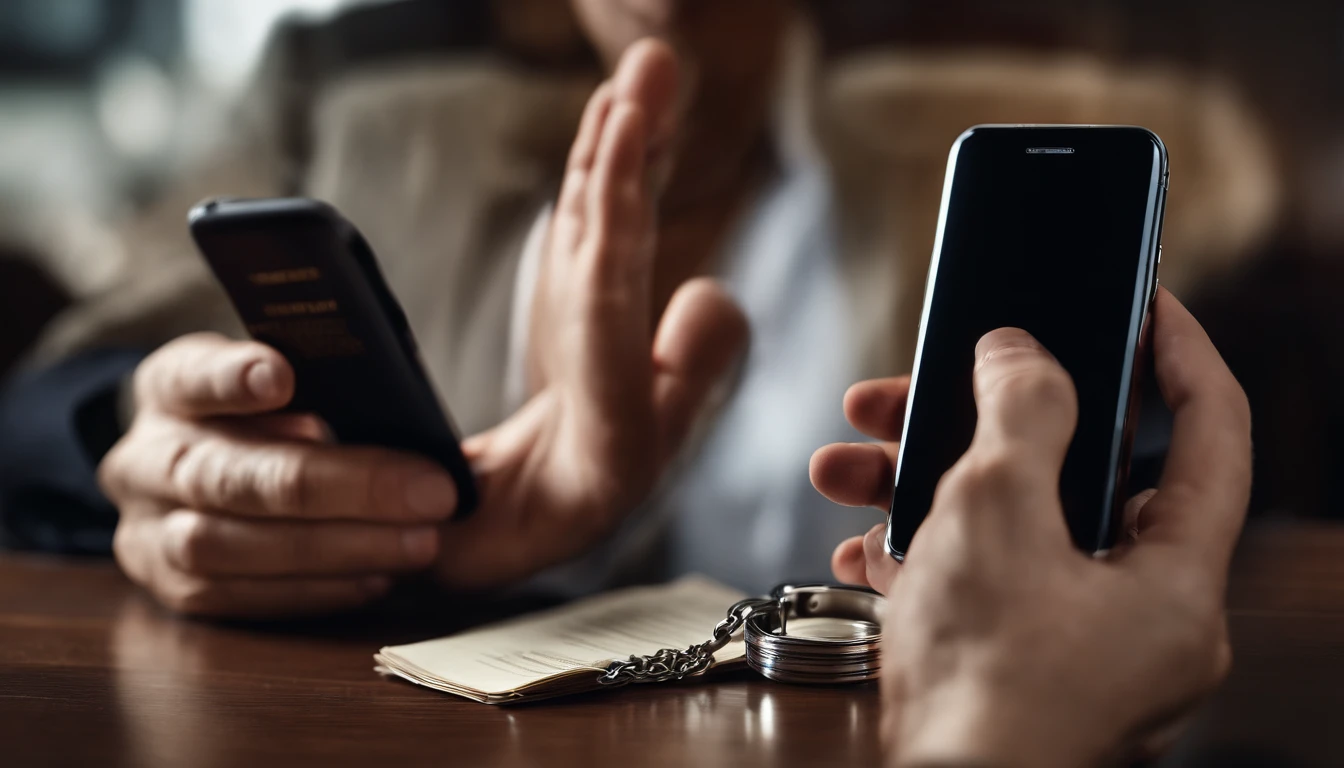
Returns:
point(770, 649)
point(850, 656)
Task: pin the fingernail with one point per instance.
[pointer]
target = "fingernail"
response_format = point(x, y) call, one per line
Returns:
point(261, 381)
point(420, 544)
point(431, 496)
point(376, 585)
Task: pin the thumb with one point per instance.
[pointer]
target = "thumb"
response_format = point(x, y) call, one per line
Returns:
point(1026, 405)
point(204, 374)
point(701, 335)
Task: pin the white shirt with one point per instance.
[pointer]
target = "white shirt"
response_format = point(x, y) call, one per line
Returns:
point(738, 505)
point(743, 509)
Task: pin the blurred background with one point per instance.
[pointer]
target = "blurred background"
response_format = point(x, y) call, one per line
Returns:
point(103, 101)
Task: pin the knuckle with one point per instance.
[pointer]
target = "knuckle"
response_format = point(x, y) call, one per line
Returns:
point(1039, 384)
point(205, 475)
point(190, 540)
point(285, 481)
point(949, 492)
point(142, 456)
point(979, 478)
point(183, 471)
point(113, 470)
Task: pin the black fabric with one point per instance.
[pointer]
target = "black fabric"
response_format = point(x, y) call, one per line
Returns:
point(55, 426)
point(1277, 323)
point(29, 298)
point(374, 33)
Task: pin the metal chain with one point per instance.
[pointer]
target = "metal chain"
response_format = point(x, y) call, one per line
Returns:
point(672, 664)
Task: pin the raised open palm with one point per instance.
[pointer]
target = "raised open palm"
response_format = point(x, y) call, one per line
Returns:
point(612, 399)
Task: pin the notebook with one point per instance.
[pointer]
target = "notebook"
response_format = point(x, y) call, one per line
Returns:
point(564, 650)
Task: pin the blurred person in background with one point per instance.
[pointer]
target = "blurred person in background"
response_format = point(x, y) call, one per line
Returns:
point(809, 193)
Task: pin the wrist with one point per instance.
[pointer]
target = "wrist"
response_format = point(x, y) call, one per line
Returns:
point(969, 726)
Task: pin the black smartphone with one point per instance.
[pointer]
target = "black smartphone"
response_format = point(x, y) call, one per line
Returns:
point(305, 282)
point(1055, 230)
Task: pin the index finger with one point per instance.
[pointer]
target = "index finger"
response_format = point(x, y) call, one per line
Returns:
point(877, 407)
point(1206, 483)
point(221, 471)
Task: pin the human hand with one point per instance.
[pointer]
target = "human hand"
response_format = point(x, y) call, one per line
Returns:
point(613, 399)
point(231, 510)
point(1005, 644)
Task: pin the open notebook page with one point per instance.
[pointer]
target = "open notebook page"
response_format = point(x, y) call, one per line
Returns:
point(563, 650)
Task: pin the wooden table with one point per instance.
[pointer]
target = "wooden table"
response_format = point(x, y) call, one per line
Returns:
point(92, 674)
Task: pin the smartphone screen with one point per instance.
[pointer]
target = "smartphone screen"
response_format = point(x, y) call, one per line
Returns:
point(1054, 230)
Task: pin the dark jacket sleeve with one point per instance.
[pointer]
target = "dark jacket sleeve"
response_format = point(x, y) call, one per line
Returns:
point(55, 425)
point(60, 415)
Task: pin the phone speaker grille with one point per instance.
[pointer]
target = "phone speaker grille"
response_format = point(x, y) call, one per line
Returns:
point(1049, 150)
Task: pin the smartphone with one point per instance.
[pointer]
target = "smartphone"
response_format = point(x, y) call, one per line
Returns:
point(1055, 230)
point(305, 282)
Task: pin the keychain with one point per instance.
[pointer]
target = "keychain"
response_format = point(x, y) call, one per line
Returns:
point(850, 655)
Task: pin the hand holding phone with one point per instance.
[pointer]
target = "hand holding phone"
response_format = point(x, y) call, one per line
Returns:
point(614, 398)
point(305, 283)
point(1017, 648)
point(230, 508)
